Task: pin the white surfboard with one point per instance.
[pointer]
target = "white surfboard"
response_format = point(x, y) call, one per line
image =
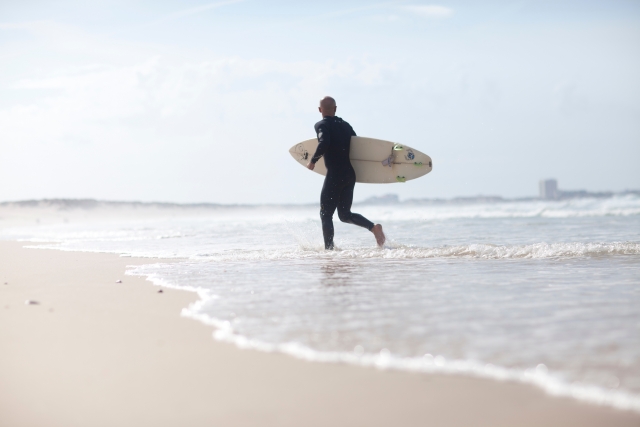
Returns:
point(374, 160)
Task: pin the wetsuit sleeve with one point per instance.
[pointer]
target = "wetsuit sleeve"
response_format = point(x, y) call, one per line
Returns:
point(324, 140)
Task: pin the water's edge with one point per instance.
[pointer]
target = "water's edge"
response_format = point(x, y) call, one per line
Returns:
point(538, 376)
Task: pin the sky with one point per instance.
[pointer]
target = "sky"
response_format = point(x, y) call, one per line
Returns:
point(196, 101)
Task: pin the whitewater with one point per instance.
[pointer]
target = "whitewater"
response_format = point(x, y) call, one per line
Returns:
point(541, 292)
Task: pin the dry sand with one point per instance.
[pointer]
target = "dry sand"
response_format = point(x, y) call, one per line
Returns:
point(97, 353)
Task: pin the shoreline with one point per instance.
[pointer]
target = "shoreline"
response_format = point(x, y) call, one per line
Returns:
point(537, 377)
point(96, 352)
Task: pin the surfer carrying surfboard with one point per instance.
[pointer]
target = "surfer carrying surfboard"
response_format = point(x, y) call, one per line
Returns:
point(334, 143)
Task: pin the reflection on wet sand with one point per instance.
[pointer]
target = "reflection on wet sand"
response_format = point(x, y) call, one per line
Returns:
point(337, 273)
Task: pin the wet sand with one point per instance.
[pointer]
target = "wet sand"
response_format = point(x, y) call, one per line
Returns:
point(94, 352)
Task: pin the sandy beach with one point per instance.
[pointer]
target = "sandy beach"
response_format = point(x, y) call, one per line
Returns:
point(93, 352)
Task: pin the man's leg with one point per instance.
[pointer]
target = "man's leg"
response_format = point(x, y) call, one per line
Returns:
point(344, 208)
point(328, 203)
point(345, 214)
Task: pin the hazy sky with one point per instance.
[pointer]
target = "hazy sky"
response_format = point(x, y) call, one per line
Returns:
point(191, 101)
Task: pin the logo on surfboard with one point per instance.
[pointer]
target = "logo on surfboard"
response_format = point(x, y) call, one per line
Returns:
point(410, 155)
point(301, 152)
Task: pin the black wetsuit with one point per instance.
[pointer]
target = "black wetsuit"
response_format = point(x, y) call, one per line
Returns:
point(334, 142)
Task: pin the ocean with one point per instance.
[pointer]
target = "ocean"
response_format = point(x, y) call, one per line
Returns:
point(540, 292)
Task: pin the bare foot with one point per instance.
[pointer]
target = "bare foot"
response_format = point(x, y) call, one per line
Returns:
point(377, 231)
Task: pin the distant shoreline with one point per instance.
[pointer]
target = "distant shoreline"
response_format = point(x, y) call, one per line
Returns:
point(388, 199)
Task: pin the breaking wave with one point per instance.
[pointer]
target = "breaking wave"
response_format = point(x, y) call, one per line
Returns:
point(473, 251)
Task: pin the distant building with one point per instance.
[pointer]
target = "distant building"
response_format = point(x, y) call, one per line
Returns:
point(549, 189)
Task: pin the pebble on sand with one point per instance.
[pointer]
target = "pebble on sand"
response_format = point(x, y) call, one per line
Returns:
point(118, 281)
point(31, 302)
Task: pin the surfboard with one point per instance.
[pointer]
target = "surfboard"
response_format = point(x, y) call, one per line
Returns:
point(375, 161)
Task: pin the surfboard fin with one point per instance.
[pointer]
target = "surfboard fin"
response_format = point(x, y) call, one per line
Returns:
point(398, 147)
point(401, 179)
point(417, 163)
point(388, 161)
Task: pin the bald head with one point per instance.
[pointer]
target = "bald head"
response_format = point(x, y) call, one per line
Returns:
point(327, 107)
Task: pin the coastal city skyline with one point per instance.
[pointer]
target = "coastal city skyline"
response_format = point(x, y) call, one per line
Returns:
point(548, 190)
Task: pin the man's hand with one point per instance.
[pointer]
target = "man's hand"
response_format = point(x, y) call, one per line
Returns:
point(311, 165)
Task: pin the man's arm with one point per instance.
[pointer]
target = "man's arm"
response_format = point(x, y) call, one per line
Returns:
point(324, 140)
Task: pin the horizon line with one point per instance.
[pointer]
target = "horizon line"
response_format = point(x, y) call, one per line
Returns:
point(390, 198)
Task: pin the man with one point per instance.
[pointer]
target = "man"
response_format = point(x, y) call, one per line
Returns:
point(334, 142)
